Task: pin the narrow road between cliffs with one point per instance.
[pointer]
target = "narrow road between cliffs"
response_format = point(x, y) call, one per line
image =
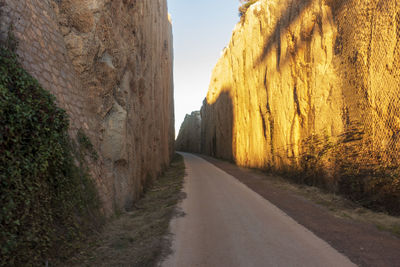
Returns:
point(228, 224)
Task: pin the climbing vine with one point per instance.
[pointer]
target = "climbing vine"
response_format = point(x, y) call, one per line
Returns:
point(46, 199)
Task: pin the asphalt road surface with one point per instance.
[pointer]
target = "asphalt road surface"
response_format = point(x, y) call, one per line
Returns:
point(228, 224)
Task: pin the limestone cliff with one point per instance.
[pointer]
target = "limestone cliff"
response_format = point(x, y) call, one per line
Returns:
point(308, 80)
point(109, 63)
point(189, 134)
point(122, 51)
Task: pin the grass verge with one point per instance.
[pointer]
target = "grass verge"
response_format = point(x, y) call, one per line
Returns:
point(140, 237)
point(338, 205)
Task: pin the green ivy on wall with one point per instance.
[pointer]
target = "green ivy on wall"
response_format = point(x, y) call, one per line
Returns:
point(46, 201)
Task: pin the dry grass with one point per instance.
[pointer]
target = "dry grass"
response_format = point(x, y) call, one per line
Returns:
point(340, 206)
point(140, 237)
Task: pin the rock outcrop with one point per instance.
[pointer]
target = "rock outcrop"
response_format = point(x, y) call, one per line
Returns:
point(308, 80)
point(122, 51)
point(109, 63)
point(188, 139)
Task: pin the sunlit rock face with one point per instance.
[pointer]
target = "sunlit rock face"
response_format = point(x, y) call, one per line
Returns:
point(307, 78)
point(189, 134)
point(122, 52)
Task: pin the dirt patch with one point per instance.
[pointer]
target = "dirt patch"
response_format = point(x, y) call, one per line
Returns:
point(350, 229)
point(140, 237)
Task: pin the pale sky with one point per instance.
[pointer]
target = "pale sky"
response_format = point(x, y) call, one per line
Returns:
point(201, 28)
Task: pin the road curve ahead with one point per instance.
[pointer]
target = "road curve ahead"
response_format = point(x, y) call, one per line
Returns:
point(227, 224)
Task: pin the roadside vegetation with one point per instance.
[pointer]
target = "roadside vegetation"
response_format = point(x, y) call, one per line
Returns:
point(48, 201)
point(350, 167)
point(139, 237)
point(244, 7)
point(338, 205)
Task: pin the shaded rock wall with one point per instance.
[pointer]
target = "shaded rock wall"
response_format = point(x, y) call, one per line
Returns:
point(217, 126)
point(109, 63)
point(188, 139)
point(299, 75)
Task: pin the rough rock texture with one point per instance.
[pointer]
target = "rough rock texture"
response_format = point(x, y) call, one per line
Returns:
point(123, 53)
point(189, 134)
point(300, 75)
point(109, 63)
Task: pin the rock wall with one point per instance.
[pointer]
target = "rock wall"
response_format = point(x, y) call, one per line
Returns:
point(189, 134)
point(109, 63)
point(300, 77)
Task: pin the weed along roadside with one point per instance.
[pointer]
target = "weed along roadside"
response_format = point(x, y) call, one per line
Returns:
point(139, 237)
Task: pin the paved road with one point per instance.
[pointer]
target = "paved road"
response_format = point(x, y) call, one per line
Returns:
point(227, 224)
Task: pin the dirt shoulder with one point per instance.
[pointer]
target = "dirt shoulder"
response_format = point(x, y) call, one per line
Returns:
point(139, 237)
point(348, 228)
